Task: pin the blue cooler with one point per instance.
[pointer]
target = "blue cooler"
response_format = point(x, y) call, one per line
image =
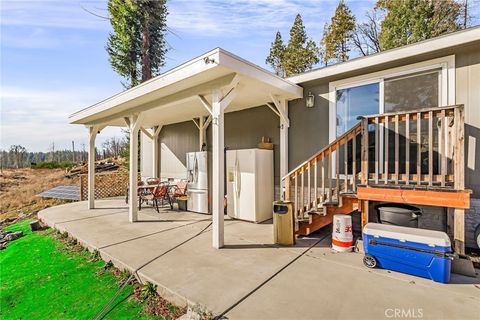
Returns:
point(423, 253)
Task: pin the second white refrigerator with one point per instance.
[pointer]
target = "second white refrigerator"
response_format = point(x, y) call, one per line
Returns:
point(250, 186)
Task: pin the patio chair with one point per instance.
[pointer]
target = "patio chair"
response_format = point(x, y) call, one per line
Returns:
point(178, 190)
point(140, 183)
point(159, 193)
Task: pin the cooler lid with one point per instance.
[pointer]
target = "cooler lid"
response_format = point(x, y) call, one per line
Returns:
point(428, 237)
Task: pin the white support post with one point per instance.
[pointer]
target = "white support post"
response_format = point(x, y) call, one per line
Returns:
point(93, 130)
point(218, 174)
point(135, 124)
point(201, 129)
point(281, 110)
point(155, 151)
point(284, 125)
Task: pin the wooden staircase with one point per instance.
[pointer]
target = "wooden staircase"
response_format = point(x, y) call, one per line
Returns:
point(400, 157)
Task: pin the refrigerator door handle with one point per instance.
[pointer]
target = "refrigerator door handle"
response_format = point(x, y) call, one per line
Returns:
point(195, 170)
point(237, 178)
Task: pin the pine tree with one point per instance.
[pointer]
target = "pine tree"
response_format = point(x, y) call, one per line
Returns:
point(123, 46)
point(153, 21)
point(338, 34)
point(137, 45)
point(410, 21)
point(301, 53)
point(275, 57)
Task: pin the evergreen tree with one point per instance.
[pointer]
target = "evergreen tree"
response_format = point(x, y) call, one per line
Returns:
point(123, 46)
point(153, 22)
point(275, 57)
point(337, 37)
point(301, 53)
point(410, 21)
point(137, 45)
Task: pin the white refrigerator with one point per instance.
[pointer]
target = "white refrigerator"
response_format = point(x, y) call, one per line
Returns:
point(197, 177)
point(250, 184)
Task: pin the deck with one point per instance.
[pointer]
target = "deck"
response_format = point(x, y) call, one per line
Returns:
point(251, 278)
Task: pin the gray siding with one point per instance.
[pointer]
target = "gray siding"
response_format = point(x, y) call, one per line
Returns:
point(308, 132)
point(180, 138)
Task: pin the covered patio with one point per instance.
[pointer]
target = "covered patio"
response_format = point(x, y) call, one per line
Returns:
point(202, 90)
point(252, 278)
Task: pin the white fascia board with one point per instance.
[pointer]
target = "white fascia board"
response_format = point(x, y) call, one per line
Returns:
point(430, 45)
point(181, 72)
point(241, 66)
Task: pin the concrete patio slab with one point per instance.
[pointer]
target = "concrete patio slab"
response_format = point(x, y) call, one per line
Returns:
point(251, 278)
point(323, 288)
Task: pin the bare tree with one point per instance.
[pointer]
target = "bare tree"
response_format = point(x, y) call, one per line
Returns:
point(18, 152)
point(366, 35)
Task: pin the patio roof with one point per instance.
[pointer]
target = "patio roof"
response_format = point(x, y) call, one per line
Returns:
point(175, 95)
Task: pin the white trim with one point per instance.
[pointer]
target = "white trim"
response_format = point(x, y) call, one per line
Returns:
point(217, 62)
point(419, 48)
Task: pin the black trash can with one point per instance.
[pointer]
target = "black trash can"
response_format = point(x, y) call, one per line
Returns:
point(398, 214)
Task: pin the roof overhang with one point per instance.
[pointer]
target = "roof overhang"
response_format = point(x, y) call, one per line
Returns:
point(419, 48)
point(173, 96)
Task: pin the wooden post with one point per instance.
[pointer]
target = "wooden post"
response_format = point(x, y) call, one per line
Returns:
point(459, 176)
point(287, 189)
point(365, 151)
point(364, 207)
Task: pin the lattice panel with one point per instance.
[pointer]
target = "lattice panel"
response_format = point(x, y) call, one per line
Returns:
point(107, 184)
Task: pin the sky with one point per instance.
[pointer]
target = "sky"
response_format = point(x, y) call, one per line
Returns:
point(53, 58)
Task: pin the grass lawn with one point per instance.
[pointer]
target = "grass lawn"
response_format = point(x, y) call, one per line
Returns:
point(40, 279)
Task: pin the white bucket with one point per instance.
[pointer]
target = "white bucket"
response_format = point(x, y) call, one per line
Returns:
point(342, 236)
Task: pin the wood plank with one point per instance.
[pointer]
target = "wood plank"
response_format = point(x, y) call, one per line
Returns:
point(345, 167)
point(349, 204)
point(309, 205)
point(397, 148)
point(386, 145)
point(337, 169)
point(364, 151)
point(323, 180)
point(459, 183)
point(315, 185)
point(295, 193)
point(377, 150)
point(459, 148)
point(430, 147)
point(459, 230)
point(407, 149)
point(354, 164)
point(456, 199)
point(287, 188)
point(419, 147)
point(365, 212)
point(441, 142)
point(302, 193)
point(329, 169)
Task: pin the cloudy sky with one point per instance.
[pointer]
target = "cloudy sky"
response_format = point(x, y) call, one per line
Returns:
point(53, 59)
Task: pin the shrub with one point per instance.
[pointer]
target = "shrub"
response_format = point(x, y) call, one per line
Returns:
point(53, 165)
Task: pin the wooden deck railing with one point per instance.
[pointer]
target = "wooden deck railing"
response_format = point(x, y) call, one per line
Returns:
point(421, 148)
point(326, 169)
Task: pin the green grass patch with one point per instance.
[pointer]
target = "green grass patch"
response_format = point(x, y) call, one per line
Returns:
point(41, 279)
point(53, 165)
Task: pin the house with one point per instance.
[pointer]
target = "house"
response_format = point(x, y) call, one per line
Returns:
point(400, 112)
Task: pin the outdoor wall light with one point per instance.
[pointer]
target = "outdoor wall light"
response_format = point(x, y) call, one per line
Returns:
point(310, 100)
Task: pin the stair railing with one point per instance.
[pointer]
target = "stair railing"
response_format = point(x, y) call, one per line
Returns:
point(320, 180)
point(421, 148)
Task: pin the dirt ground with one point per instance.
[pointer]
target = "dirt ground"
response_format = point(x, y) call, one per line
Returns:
point(19, 187)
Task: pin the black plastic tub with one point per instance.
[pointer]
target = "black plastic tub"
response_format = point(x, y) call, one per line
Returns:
point(398, 214)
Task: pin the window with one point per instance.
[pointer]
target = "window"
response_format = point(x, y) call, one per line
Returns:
point(412, 92)
point(354, 102)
